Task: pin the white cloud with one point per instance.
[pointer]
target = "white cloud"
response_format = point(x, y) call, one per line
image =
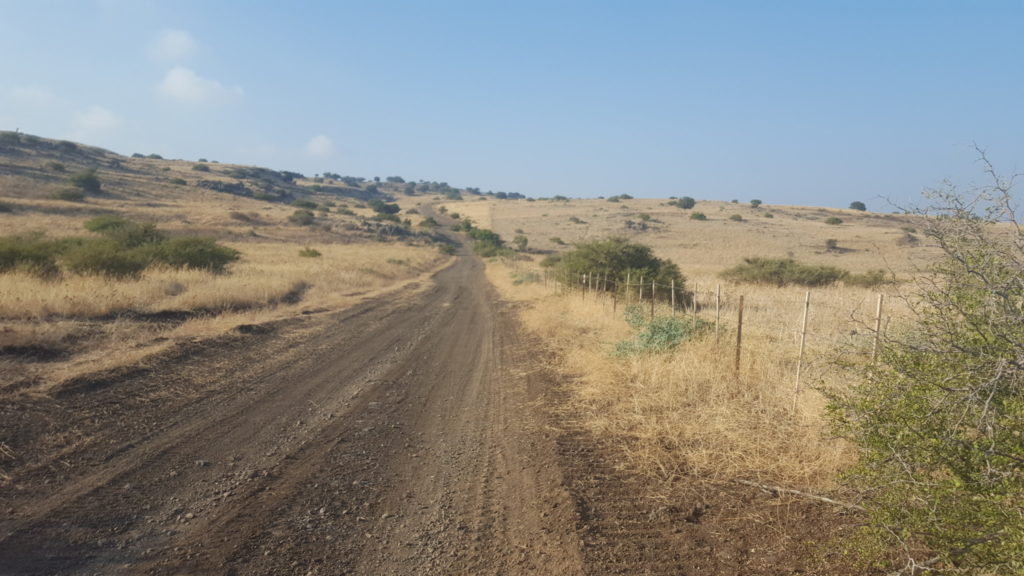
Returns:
point(173, 46)
point(320, 146)
point(183, 84)
point(92, 123)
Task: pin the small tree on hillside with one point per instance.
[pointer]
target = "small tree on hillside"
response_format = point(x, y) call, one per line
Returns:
point(619, 259)
point(858, 205)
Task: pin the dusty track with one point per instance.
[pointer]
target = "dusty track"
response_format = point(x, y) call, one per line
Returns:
point(401, 437)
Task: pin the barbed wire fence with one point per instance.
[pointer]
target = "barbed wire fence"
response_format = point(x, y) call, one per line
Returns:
point(783, 325)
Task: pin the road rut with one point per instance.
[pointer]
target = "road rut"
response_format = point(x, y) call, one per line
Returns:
point(404, 436)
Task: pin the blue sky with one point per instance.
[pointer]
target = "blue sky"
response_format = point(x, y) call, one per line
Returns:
point(817, 103)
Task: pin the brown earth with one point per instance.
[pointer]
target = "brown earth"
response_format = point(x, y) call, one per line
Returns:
point(421, 433)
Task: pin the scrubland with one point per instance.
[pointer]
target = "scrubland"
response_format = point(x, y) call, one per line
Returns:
point(689, 413)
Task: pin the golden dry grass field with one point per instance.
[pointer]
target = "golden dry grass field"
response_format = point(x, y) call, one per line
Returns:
point(689, 412)
point(56, 328)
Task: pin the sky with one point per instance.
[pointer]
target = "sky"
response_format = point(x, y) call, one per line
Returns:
point(810, 103)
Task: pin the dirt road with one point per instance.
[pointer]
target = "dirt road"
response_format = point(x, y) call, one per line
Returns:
point(402, 437)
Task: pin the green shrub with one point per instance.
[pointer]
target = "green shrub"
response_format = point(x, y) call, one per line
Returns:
point(619, 259)
point(200, 167)
point(938, 418)
point(306, 204)
point(520, 278)
point(69, 195)
point(446, 249)
point(194, 253)
point(833, 221)
point(698, 216)
point(783, 272)
point(857, 205)
point(105, 257)
point(179, 181)
point(381, 207)
point(302, 218)
point(685, 203)
point(831, 244)
point(125, 233)
point(736, 218)
point(755, 203)
point(33, 254)
point(86, 181)
point(429, 222)
point(661, 334)
point(308, 252)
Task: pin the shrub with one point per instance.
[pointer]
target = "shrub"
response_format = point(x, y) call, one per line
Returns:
point(67, 147)
point(620, 259)
point(783, 272)
point(194, 253)
point(55, 166)
point(302, 218)
point(857, 205)
point(661, 334)
point(86, 181)
point(306, 204)
point(69, 195)
point(446, 249)
point(833, 221)
point(381, 207)
point(308, 252)
point(105, 257)
point(521, 242)
point(125, 233)
point(736, 218)
point(831, 244)
point(6, 208)
point(200, 167)
point(755, 203)
point(179, 181)
point(33, 254)
point(698, 216)
point(644, 217)
point(685, 203)
point(938, 419)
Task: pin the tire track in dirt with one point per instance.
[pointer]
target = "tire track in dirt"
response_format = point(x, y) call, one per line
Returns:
point(400, 438)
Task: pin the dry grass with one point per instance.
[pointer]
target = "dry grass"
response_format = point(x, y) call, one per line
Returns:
point(268, 274)
point(688, 412)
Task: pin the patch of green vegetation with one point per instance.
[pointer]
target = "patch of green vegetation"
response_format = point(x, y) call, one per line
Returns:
point(302, 218)
point(69, 195)
point(200, 167)
point(308, 252)
point(833, 221)
point(786, 272)
point(657, 335)
point(698, 216)
point(736, 218)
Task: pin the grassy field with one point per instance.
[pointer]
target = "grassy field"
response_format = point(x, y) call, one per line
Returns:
point(689, 412)
point(57, 327)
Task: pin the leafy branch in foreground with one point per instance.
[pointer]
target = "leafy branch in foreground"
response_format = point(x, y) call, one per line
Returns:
point(939, 420)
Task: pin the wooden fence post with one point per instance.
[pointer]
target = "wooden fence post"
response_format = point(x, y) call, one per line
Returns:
point(641, 289)
point(626, 293)
point(739, 335)
point(878, 329)
point(718, 309)
point(654, 286)
point(803, 341)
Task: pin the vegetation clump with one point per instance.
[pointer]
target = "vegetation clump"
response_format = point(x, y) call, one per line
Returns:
point(786, 272)
point(308, 252)
point(86, 181)
point(122, 249)
point(659, 334)
point(619, 259)
point(833, 221)
point(938, 420)
point(685, 203)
